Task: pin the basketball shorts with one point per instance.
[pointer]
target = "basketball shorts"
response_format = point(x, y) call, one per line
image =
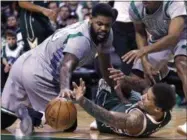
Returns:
point(157, 58)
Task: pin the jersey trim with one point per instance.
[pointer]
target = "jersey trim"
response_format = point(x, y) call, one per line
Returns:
point(73, 36)
point(144, 122)
point(168, 3)
point(135, 10)
point(153, 120)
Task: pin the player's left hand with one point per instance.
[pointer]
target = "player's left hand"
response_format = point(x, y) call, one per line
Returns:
point(79, 91)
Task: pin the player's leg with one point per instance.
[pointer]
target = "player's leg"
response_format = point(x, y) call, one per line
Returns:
point(181, 65)
point(40, 91)
point(107, 99)
point(158, 60)
point(180, 62)
point(13, 95)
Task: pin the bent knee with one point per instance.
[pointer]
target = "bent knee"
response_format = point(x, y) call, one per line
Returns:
point(180, 63)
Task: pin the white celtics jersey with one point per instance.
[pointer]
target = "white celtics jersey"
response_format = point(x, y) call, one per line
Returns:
point(74, 39)
point(157, 24)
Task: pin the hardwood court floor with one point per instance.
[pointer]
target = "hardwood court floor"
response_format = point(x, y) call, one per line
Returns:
point(83, 132)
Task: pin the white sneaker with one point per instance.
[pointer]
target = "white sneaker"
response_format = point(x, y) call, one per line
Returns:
point(182, 129)
point(103, 85)
point(93, 125)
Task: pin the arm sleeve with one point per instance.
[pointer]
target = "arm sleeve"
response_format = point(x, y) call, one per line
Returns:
point(175, 9)
point(78, 46)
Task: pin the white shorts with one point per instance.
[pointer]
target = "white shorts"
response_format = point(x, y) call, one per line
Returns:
point(162, 56)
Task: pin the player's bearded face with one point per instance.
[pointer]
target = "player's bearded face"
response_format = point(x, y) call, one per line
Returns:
point(100, 27)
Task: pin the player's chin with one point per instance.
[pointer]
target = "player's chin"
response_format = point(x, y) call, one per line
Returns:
point(101, 39)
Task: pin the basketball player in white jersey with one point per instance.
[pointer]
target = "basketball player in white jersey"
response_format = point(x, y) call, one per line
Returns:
point(161, 30)
point(44, 72)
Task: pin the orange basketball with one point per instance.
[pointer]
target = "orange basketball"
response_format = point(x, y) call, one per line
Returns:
point(60, 114)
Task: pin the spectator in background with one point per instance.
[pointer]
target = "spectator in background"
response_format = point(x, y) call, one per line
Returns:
point(73, 18)
point(36, 29)
point(87, 16)
point(10, 52)
point(124, 34)
point(11, 22)
point(85, 11)
point(63, 15)
point(76, 7)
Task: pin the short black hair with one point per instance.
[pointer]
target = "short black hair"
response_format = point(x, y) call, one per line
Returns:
point(10, 33)
point(164, 96)
point(104, 10)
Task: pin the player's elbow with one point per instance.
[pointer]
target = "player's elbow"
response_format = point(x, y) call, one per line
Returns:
point(134, 127)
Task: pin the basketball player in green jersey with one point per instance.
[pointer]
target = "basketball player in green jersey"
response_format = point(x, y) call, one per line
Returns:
point(148, 115)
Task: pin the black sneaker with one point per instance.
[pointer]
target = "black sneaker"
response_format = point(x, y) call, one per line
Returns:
point(7, 118)
point(29, 119)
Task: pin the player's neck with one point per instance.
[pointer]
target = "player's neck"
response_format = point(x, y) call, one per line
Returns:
point(158, 116)
point(153, 10)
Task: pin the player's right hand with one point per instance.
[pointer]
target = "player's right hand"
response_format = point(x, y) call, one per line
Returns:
point(66, 93)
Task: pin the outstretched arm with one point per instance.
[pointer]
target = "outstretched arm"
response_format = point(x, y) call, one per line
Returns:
point(132, 122)
point(131, 82)
point(39, 9)
point(69, 64)
point(104, 64)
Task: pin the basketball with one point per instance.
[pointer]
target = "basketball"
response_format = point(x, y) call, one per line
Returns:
point(60, 114)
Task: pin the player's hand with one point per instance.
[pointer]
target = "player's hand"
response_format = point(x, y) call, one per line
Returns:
point(79, 91)
point(50, 14)
point(116, 74)
point(66, 93)
point(130, 56)
point(134, 55)
point(149, 71)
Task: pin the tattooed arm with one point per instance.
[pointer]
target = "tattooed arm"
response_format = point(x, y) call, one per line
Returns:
point(69, 63)
point(128, 82)
point(131, 122)
point(135, 83)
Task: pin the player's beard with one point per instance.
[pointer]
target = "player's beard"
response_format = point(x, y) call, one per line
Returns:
point(95, 36)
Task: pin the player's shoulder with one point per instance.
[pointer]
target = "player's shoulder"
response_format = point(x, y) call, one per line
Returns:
point(167, 4)
point(136, 8)
point(136, 5)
